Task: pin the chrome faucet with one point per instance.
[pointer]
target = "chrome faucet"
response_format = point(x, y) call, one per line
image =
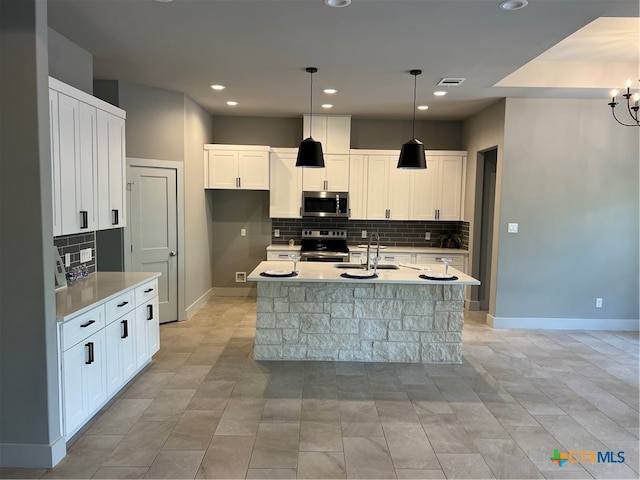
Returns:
point(369, 249)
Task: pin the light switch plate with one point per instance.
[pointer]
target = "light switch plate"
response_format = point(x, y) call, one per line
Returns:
point(427, 235)
point(85, 255)
point(67, 259)
point(512, 228)
point(363, 234)
point(276, 232)
point(243, 232)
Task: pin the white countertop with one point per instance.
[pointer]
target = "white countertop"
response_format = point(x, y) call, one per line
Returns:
point(325, 272)
point(81, 295)
point(436, 250)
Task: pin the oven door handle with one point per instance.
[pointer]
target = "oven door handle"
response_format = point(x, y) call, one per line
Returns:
point(305, 255)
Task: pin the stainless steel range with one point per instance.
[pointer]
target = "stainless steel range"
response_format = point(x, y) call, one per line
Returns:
point(324, 246)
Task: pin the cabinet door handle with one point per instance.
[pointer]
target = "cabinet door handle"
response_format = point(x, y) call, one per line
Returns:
point(148, 290)
point(85, 325)
point(125, 329)
point(326, 185)
point(84, 219)
point(90, 353)
point(114, 217)
point(239, 182)
point(122, 304)
point(150, 312)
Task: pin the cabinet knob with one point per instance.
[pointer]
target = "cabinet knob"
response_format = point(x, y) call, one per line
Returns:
point(172, 253)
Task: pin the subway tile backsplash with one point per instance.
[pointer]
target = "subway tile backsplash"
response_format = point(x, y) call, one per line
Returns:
point(73, 244)
point(396, 233)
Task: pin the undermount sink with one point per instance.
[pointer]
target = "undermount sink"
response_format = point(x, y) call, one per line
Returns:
point(382, 266)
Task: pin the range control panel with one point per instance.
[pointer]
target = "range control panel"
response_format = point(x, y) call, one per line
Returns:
point(338, 234)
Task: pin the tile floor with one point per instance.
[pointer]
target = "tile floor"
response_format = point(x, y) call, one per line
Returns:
point(206, 409)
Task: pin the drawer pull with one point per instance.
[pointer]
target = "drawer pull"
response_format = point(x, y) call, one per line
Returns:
point(114, 217)
point(125, 329)
point(90, 322)
point(148, 290)
point(90, 353)
point(149, 312)
point(122, 304)
point(84, 219)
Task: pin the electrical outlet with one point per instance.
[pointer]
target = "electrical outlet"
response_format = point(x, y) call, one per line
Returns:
point(241, 277)
point(598, 303)
point(67, 259)
point(512, 228)
point(85, 255)
point(427, 235)
point(363, 234)
point(243, 232)
point(276, 232)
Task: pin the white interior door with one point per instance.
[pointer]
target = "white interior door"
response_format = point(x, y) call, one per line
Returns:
point(154, 231)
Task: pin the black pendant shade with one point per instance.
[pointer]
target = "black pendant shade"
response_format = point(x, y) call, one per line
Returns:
point(310, 154)
point(412, 153)
point(310, 151)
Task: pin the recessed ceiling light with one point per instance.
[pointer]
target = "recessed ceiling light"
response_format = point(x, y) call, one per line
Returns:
point(337, 3)
point(513, 4)
point(330, 91)
point(218, 87)
point(326, 105)
point(440, 93)
point(231, 103)
point(423, 107)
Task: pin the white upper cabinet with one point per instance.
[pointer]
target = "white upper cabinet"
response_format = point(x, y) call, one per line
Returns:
point(236, 167)
point(438, 190)
point(333, 131)
point(388, 188)
point(87, 164)
point(111, 171)
point(334, 177)
point(357, 187)
point(75, 164)
point(285, 194)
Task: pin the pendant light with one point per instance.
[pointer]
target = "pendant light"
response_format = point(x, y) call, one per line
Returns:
point(310, 151)
point(412, 153)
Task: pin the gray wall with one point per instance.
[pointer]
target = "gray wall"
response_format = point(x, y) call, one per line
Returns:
point(481, 132)
point(70, 63)
point(570, 179)
point(198, 229)
point(391, 134)
point(29, 409)
point(155, 122)
point(232, 210)
point(275, 132)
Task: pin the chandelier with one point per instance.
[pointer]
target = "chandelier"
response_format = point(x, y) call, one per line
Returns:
point(633, 109)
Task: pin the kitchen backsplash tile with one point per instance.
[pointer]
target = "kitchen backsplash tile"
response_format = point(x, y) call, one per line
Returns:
point(396, 233)
point(73, 244)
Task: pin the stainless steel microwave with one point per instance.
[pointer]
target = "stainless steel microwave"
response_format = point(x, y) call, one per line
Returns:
point(325, 204)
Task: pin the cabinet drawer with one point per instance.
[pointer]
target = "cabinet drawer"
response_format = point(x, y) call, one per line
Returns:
point(115, 308)
point(432, 258)
point(81, 327)
point(395, 257)
point(146, 292)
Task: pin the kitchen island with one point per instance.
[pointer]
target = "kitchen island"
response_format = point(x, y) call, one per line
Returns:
point(396, 317)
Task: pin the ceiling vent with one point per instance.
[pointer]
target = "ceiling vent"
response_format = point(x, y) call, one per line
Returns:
point(451, 82)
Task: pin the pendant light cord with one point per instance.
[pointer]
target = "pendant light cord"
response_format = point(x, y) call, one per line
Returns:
point(415, 83)
point(311, 105)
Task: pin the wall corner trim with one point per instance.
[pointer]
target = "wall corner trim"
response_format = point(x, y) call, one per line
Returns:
point(32, 455)
point(522, 323)
point(195, 306)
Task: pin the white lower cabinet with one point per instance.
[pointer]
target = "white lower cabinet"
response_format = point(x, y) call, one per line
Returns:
point(101, 349)
point(458, 261)
point(84, 380)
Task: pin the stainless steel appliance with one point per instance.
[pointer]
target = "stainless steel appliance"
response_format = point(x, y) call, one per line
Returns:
point(325, 204)
point(324, 246)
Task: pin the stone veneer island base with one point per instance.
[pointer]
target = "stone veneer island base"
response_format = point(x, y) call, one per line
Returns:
point(379, 320)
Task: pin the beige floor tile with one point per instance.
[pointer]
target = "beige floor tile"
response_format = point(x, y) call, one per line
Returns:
point(419, 474)
point(22, 472)
point(320, 436)
point(284, 410)
point(241, 417)
point(119, 418)
point(321, 465)
point(175, 464)
point(464, 465)
point(188, 377)
point(271, 473)
point(169, 405)
point(120, 472)
point(227, 457)
point(193, 431)
point(141, 445)
point(409, 447)
point(367, 458)
point(276, 446)
point(148, 385)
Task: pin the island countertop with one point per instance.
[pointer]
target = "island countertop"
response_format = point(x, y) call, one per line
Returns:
point(326, 272)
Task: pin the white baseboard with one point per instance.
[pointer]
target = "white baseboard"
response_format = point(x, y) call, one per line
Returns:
point(195, 306)
point(235, 291)
point(473, 305)
point(563, 323)
point(16, 455)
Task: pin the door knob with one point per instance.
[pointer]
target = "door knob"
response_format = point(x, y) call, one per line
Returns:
point(172, 253)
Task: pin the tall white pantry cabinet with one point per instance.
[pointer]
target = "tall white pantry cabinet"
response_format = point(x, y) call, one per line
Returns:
point(88, 161)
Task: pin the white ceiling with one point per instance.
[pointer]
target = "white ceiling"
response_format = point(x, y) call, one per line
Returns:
point(259, 49)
